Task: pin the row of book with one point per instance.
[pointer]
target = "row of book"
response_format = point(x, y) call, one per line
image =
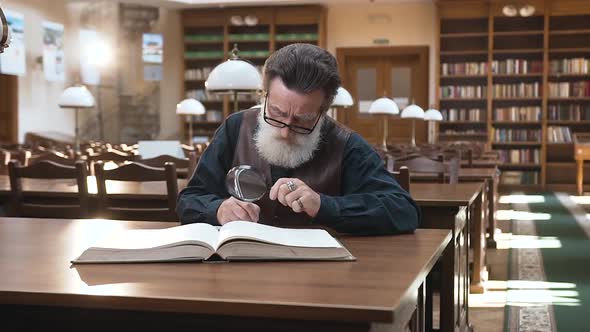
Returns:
point(464, 68)
point(466, 132)
point(559, 134)
point(569, 89)
point(570, 66)
point(518, 90)
point(463, 114)
point(520, 156)
point(516, 135)
point(575, 112)
point(517, 66)
point(516, 113)
point(519, 177)
point(463, 91)
point(205, 95)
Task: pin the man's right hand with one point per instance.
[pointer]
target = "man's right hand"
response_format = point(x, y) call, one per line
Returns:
point(233, 209)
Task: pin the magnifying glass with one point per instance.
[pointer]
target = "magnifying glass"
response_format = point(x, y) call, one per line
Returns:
point(245, 183)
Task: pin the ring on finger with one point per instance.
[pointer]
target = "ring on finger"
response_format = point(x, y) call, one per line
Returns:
point(300, 203)
point(291, 186)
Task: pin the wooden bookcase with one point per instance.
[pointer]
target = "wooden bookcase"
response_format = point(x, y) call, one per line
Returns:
point(536, 73)
point(209, 36)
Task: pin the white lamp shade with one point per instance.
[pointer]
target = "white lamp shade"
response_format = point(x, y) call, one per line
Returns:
point(342, 99)
point(190, 106)
point(412, 111)
point(76, 97)
point(432, 115)
point(527, 10)
point(384, 106)
point(234, 75)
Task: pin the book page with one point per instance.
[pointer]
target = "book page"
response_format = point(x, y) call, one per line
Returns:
point(317, 238)
point(153, 238)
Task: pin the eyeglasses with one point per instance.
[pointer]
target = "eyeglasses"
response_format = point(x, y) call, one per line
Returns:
point(293, 128)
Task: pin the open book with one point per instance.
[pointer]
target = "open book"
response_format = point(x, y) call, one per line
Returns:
point(238, 240)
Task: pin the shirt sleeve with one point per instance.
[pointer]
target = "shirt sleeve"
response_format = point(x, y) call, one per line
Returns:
point(372, 202)
point(206, 190)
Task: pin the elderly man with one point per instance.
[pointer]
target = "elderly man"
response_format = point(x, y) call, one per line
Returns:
point(318, 171)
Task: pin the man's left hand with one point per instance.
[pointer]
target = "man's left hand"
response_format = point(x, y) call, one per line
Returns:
point(297, 195)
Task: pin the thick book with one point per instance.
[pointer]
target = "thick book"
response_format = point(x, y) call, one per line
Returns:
point(234, 241)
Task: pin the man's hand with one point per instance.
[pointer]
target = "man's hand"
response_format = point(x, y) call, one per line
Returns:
point(233, 209)
point(295, 194)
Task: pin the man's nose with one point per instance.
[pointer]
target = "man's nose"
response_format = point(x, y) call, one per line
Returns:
point(285, 132)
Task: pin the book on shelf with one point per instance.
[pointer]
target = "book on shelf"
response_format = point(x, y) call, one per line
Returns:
point(463, 114)
point(518, 90)
point(516, 135)
point(559, 134)
point(517, 66)
point(569, 89)
point(234, 241)
point(569, 66)
point(464, 68)
point(518, 113)
point(463, 91)
point(571, 112)
point(519, 156)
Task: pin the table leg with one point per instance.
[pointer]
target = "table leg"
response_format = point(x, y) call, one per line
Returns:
point(491, 212)
point(580, 176)
point(477, 237)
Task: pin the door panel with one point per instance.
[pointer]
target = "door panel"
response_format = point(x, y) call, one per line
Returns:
point(400, 73)
point(8, 109)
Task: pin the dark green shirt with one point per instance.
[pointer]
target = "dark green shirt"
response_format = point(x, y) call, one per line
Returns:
point(372, 202)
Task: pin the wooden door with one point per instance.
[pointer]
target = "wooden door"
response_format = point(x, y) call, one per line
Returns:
point(400, 73)
point(8, 109)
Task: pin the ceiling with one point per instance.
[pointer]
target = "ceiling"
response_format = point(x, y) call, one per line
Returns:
point(232, 3)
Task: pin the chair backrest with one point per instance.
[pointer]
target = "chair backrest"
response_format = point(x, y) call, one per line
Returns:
point(111, 206)
point(29, 204)
point(402, 176)
point(421, 164)
point(184, 166)
point(56, 157)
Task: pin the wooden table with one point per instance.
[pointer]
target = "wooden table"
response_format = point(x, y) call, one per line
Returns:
point(383, 288)
point(491, 177)
point(581, 153)
point(456, 207)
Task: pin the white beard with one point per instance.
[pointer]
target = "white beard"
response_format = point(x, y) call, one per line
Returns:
point(280, 152)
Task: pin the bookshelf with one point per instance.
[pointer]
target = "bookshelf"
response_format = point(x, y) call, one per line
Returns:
point(211, 33)
point(537, 74)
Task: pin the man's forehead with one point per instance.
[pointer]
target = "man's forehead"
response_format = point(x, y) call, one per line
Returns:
point(285, 99)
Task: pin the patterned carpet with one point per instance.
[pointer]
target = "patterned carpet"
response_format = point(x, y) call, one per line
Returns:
point(549, 274)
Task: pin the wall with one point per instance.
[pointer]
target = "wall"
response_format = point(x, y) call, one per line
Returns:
point(37, 101)
point(404, 24)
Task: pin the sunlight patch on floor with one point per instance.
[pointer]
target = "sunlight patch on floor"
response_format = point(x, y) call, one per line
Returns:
point(521, 215)
point(521, 199)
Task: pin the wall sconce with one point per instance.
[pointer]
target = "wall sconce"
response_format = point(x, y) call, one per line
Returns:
point(524, 11)
point(249, 20)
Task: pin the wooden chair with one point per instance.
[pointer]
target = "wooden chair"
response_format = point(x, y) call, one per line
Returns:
point(115, 156)
point(113, 207)
point(29, 204)
point(56, 157)
point(402, 176)
point(421, 164)
point(185, 167)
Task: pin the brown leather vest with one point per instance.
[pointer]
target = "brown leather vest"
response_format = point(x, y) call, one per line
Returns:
point(322, 173)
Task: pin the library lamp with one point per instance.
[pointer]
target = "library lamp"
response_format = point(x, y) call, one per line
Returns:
point(433, 116)
point(234, 76)
point(343, 99)
point(5, 33)
point(190, 107)
point(413, 112)
point(76, 97)
point(386, 107)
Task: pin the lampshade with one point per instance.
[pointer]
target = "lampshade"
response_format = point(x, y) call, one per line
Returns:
point(190, 106)
point(234, 74)
point(509, 10)
point(412, 111)
point(342, 99)
point(5, 33)
point(432, 115)
point(384, 106)
point(76, 97)
point(527, 10)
